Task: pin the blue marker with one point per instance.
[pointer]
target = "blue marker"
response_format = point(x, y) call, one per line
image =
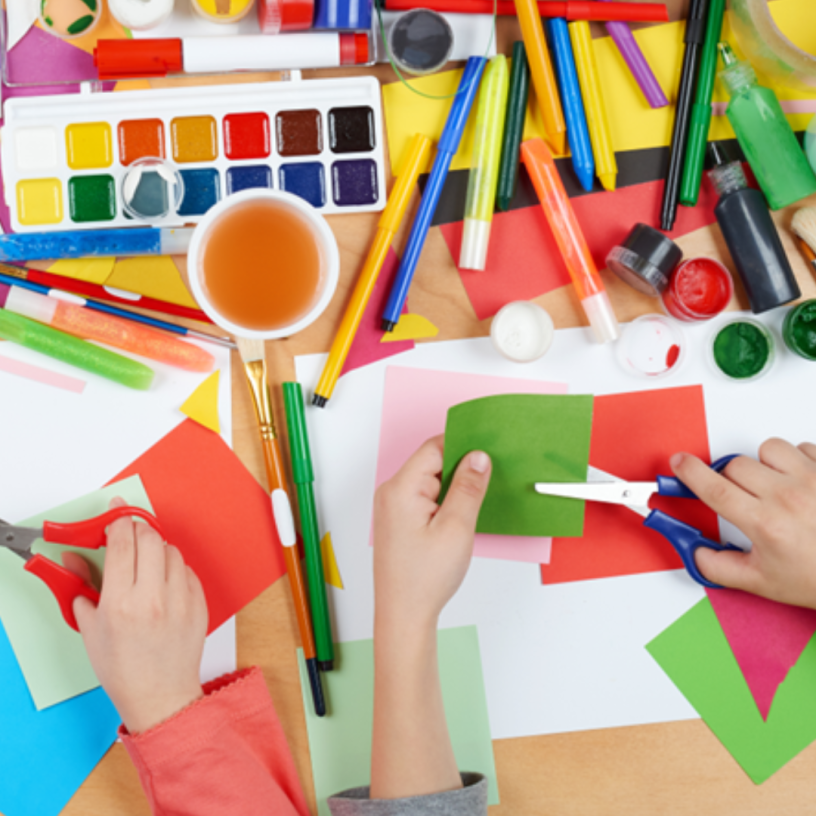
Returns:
point(583, 161)
point(448, 145)
point(105, 243)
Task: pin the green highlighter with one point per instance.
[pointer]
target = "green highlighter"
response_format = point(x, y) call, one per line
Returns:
point(76, 352)
point(303, 477)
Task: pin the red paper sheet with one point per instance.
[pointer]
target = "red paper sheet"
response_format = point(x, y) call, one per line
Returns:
point(633, 436)
point(767, 638)
point(523, 260)
point(215, 512)
point(367, 346)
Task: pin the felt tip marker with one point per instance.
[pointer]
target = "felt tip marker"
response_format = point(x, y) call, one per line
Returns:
point(448, 145)
point(570, 239)
point(102, 243)
point(130, 59)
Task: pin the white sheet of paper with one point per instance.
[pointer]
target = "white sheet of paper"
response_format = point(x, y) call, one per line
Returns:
point(20, 16)
point(220, 652)
point(564, 657)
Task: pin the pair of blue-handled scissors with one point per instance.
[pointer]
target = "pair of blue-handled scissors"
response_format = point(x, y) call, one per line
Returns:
point(635, 495)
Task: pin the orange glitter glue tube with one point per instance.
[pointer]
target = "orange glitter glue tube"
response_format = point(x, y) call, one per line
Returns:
point(113, 331)
point(570, 239)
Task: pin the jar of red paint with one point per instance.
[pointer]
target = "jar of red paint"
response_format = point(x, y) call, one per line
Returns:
point(698, 289)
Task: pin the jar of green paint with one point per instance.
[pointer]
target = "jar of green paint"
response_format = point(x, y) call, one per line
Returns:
point(799, 329)
point(742, 349)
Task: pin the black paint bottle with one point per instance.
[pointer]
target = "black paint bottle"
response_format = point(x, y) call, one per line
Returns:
point(751, 235)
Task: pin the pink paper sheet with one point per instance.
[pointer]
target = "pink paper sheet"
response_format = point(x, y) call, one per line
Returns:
point(415, 408)
point(41, 375)
point(766, 637)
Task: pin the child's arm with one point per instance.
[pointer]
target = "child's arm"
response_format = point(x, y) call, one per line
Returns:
point(199, 752)
point(773, 501)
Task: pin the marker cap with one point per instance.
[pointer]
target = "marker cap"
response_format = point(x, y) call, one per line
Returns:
point(475, 240)
point(601, 317)
point(132, 59)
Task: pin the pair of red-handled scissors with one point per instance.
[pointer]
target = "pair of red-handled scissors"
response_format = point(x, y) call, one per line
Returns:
point(635, 495)
point(89, 534)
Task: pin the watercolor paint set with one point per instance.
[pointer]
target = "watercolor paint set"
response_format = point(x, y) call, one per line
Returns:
point(65, 158)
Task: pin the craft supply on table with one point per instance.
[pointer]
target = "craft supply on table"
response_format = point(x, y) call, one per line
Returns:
point(131, 59)
point(804, 225)
point(339, 14)
point(300, 458)
point(645, 260)
point(68, 19)
point(570, 239)
point(152, 189)
point(522, 331)
point(66, 315)
point(742, 349)
point(750, 234)
point(420, 41)
point(583, 162)
point(254, 359)
point(447, 147)
point(73, 351)
point(484, 172)
point(415, 163)
point(263, 264)
point(546, 91)
point(592, 92)
point(636, 62)
point(65, 158)
point(799, 329)
point(569, 9)
point(651, 346)
point(275, 16)
point(517, 96)
point(693, 38)
point(636, 496)
point(701, 109)
point(222, 11)
point(141, 15)
point(766, 138)
point(699, 289)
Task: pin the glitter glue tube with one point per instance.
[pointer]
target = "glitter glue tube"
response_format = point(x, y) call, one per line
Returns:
point(68, 315)
point(73, 351)
point(570, 239)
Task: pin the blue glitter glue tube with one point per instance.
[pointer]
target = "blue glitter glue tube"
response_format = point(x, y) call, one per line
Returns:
point(122, 243)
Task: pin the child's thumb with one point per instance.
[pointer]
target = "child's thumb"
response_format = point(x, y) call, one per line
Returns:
point(467, 490)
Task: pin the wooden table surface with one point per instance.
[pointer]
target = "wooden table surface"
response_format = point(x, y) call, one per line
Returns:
point(678, 768)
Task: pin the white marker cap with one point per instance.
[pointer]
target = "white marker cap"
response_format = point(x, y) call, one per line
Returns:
point(475, 240)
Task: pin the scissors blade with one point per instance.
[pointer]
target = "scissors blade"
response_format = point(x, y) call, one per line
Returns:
point(18, 539)
point(634, 495)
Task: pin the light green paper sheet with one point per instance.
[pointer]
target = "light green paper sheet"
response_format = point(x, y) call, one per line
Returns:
point(340, 742)
point(696, 656)
point(530, 438)
point(51, 655)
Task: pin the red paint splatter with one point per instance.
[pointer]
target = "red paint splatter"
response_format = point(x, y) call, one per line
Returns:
point(672, 356)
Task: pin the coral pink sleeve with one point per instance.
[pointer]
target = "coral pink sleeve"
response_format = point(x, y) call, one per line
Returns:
point(224, 754)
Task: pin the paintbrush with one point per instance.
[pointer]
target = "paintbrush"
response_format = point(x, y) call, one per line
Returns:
point(804, 225)
point(252, 354)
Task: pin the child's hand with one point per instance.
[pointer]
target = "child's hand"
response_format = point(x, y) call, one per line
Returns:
point(422, 550)
point(146, 637)
point(773, 501)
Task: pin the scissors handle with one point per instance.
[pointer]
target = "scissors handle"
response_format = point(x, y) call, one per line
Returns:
point(686, 540)
point(90, 533)
point(672, 486)
point(64, 584)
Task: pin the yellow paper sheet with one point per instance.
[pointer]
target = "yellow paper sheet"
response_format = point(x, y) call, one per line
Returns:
point(152, 277)
point(202, 404)
point(330, 570)
point(92, 270)
point(411, 327)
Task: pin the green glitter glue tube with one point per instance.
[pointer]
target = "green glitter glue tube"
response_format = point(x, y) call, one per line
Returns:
point(74, 351)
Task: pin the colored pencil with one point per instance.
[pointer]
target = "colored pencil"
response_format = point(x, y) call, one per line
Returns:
point(513, 127)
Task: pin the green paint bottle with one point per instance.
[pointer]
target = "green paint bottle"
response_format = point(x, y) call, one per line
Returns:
point(766, 138)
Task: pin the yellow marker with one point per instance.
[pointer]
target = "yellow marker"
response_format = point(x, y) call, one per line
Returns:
point(389, 222)
point(605, 165)
point(549, 102)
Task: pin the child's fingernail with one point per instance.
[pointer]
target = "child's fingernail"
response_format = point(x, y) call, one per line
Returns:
point(676, 460)
point(479, 461)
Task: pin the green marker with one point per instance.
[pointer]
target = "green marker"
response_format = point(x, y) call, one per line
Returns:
point(701, 109)
point(484, 172)
point(76, 352)
point(513, 127)
point(303, 476)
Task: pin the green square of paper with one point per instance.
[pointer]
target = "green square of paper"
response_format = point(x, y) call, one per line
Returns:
point(530, 438)
point(696, 656)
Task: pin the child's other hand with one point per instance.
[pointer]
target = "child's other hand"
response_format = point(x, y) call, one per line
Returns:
point(422, 550)
point(146, 637)
point(773, 501)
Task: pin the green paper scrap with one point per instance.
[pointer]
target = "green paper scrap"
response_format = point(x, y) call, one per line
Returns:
point(696, 656)
point(530, 438)
point(340, 742)
point(51, 655)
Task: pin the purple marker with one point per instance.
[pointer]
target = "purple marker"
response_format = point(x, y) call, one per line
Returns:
point(633, 57)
